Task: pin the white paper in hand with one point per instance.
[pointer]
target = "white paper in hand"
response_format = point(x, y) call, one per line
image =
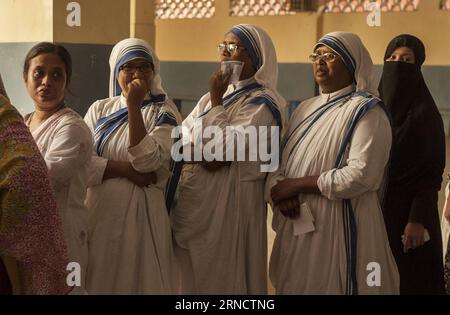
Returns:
point(426, 237)
point(305, 223)
point(234, 68)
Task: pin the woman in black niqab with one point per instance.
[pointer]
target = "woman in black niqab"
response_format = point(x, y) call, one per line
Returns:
point(415, 174)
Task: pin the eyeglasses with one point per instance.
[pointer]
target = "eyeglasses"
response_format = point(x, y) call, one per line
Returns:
point(231, 48)
point(144, 68)
point(327, 57)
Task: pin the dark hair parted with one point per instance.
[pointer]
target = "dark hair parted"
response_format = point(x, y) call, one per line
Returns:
point(50, 48)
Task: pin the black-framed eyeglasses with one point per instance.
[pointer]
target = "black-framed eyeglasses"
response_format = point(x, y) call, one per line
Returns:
point(231, 47)
point(327, 57)
point(144, 68)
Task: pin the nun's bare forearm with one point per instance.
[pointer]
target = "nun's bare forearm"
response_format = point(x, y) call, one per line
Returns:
point(124, 169)
point(116, 169)
point(308, 185)
point(291, 187)
point(136, 126)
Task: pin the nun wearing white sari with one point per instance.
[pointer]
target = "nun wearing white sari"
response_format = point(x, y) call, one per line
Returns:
point(330, 232)
point(130, 240)
point(219, 222)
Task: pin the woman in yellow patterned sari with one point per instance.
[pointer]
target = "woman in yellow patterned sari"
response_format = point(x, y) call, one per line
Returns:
point(30, 227)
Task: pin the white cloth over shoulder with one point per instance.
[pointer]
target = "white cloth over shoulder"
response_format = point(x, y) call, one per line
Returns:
point(65, 142)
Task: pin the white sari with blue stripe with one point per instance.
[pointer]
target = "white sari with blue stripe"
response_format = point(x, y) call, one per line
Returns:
point(344, 138)
point(130, 240)
point(219, 221)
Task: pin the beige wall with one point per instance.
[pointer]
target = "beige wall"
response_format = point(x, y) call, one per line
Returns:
point(102, 22)
point(142, 23)
point(294, 36)
point(107, 21)
point(428, 23)
point(26, 20)
point(197, 39)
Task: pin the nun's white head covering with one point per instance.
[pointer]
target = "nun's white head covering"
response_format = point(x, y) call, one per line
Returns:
point(262, 53)
point(356, 58)
point(127, 50)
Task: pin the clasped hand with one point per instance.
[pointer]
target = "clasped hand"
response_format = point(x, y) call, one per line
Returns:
point(285, 197)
